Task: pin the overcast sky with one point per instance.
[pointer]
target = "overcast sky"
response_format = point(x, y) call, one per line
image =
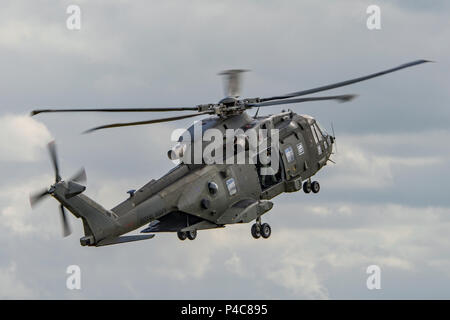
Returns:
point(386, 201)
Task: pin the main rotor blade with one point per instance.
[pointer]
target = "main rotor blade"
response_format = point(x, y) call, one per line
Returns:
point(341, 98)
point(66, 227)
point(54, 158)
point(138, 123)
point(344, 83)
point(80, 176)
point(35, 112)
point(37, 197)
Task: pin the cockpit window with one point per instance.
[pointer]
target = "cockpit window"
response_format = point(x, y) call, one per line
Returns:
point(322, 129)
point(316, 134)
point(313, 130)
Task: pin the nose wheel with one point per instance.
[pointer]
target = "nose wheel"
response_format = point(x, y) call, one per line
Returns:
point(261, 230)
point(309, 186)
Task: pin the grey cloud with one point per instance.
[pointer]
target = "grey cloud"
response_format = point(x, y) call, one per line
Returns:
point(167, 54)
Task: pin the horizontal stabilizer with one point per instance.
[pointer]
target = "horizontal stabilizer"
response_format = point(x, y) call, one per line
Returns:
point(123, 239)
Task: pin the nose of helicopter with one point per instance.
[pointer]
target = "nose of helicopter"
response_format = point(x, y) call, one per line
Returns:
point(332, 139)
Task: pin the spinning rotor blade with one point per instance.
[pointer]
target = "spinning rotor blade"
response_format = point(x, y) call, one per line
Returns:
point(66, 228)
point(128, 124)
point(341, 98)
point(344, 83)
point(232, 82)
point(80, 176)
point(37, 197)
point(54, 158)
point(35, 112)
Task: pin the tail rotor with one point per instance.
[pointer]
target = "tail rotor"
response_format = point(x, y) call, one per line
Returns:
point(65, 224)
point(80, 176)
point(37, 197)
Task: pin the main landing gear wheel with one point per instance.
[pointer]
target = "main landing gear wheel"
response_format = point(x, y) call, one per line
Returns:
point(266, 230)
point(181, 235)
point(307, 187)
point(192, 234)
point(261, 230)
point(315, 186)
point(256, 231)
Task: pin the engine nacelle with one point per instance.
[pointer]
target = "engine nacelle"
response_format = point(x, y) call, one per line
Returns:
point(177, 152)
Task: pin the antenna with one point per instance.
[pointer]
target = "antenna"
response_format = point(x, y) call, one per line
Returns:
point(334, 137)
point(256, 114)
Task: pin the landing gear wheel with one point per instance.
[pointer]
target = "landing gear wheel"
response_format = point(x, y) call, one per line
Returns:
point(266, 230)
point(315, 186)
point(192, 234)
point(256, 232)
point(181, 235)
point(307, 187)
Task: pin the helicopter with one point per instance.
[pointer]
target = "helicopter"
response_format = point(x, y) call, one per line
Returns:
point(200, 195)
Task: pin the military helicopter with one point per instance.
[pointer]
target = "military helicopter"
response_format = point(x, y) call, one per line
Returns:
point(199, 195)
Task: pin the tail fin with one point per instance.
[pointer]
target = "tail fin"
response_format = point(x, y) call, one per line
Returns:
point(98, 222)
